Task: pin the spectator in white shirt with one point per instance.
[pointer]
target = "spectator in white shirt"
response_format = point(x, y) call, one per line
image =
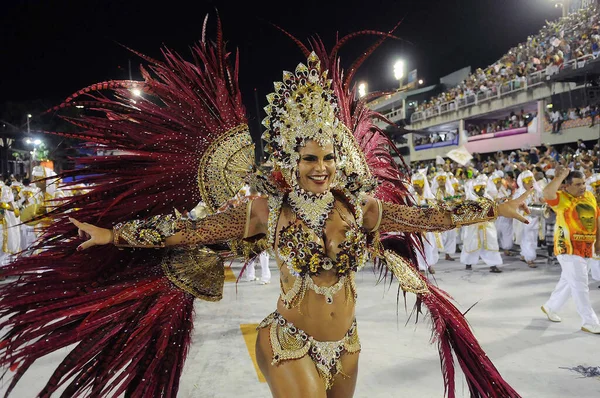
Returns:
point(555, 119)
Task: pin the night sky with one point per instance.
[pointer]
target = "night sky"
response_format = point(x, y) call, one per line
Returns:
point(49, 49)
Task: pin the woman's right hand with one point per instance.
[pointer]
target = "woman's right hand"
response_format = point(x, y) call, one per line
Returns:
point(512, 208)
point(95, 235)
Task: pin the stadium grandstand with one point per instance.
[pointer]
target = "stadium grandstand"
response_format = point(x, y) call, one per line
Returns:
point(543, 91)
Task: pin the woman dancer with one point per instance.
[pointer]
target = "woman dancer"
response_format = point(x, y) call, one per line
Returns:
point(323, 218)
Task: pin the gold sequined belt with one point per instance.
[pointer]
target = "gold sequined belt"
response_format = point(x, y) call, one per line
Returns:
point(288, 342)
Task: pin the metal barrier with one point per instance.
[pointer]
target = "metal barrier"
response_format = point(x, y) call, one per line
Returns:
point(499, 91)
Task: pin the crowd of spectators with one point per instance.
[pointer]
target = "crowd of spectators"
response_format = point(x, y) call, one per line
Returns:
point(558, 42)
point(434, 138)
point(577, 156)
point(572, 117)
point(514, 120)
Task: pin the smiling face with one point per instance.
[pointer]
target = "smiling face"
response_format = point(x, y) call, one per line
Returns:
point(316, 167)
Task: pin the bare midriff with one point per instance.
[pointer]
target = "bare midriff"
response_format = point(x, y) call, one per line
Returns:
point(323, 321)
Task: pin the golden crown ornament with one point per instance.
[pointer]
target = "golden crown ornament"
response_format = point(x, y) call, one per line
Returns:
point(302, 108)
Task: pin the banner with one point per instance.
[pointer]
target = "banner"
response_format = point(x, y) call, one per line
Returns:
point(461, 155)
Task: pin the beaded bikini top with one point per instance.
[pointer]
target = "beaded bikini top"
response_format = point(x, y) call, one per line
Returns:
point(302, 255)
point(300, 250)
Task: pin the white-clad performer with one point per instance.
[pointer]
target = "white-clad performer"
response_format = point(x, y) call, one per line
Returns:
point(265, 272)
point(480, 240)
point(10, 236)
point(442, 189)
point(48, 187)
point(504, 226)
point(248, 192)
point(459, 194)
point(29, 195)
point(16, 187)
point(526, 235)
point(432, 241)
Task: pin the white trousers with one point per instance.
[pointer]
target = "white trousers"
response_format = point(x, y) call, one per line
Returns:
point(595, 268)
point(490, 257)
point(449, 240)
point(529, 239)
point(573, 282)
point(431, 252)
point(265, 272)
point(504, 226)
point(28, 236)
point(5, 258)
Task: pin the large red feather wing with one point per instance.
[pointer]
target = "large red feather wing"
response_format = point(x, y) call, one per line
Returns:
point(130, 324)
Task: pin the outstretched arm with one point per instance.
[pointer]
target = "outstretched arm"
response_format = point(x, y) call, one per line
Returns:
point(248, 219)
point(389, 217)
point(238, 222)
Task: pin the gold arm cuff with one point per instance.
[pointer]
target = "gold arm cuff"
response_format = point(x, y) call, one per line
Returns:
point(116, 235)
point(474, 212)
point(148, 233)
point(130, 237)
point(380, 211)
point(248, 216)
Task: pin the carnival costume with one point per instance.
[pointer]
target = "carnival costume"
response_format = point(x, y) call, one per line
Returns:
point(504, 226)
point(480, 240)
point(443, 190)
point(459, 194)
point(186, 140)
point(432, 242)
point(9, 224)
point(31, 198)
point(526, 235)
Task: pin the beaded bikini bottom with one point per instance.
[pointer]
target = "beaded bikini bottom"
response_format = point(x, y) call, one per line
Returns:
point(289, 342)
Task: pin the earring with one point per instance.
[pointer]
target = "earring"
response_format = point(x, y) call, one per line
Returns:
point(294, 177)
point(337, 177)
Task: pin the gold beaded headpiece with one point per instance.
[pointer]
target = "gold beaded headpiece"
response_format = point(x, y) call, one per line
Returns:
point(302, 108)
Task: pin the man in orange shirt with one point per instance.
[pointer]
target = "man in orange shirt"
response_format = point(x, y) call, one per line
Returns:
point(575, 242)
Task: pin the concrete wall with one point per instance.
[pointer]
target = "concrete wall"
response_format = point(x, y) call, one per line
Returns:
point(541, 91)
point(572, 135)
point(511, 142)
point(504, 143)
point(428, 154)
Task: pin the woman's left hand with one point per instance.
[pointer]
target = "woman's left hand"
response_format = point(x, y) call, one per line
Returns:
point(511, 208)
